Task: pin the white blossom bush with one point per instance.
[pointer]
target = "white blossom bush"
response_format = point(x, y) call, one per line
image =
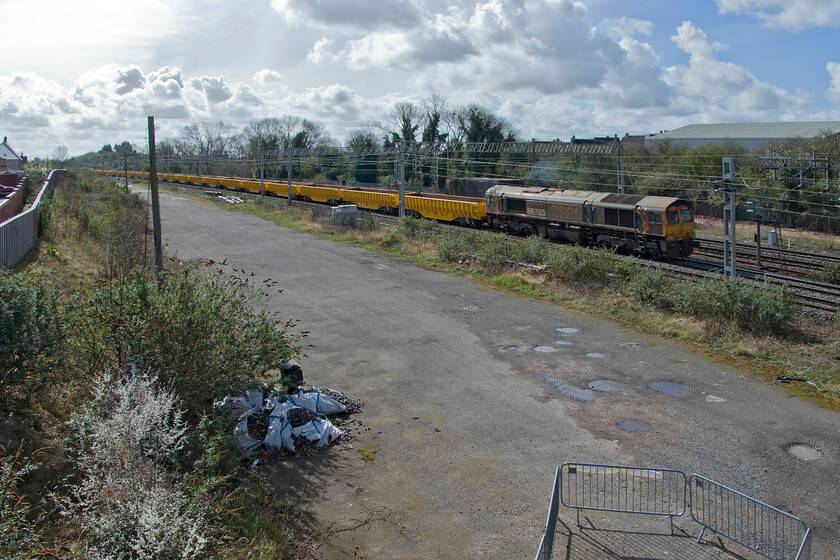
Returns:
point(127, 496)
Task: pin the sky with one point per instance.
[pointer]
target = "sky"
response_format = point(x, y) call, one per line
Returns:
point(87, 73)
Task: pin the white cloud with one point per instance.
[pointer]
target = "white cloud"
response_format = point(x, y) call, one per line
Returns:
point(348, 13)
point(321, 51)
point(833, 93)
point(715, 90)
point(619, 28)
point(378, 50)
point(790, 15)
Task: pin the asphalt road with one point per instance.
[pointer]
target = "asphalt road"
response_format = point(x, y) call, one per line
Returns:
point(473, 397)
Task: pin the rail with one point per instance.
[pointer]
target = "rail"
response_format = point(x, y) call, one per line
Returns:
point(19, 233)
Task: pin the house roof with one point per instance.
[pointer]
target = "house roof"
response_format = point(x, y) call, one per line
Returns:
point(6, 151)
point(780, 130)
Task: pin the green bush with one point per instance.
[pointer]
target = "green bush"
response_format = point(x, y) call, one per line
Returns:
point(455, 245)
point(493, 252)
point(581, 264)
point(419, 229)
point(649, 286)
point(199, 330)
point(31, 339)
point(831, 273)
point(531, 250)
point(758, 309)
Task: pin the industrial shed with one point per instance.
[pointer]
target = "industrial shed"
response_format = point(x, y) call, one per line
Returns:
point(751, 136)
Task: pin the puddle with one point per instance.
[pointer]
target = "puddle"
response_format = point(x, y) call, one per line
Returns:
point(596, 355)
point(570, 391)
point(562, 342)
point(635, 426)
point(804, 452)
point(604, 385)
point(669, 388)
point(470, 308)
point(546, 349)
point(567, 330)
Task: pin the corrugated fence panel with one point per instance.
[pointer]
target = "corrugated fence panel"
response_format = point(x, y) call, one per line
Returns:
point(19, 233)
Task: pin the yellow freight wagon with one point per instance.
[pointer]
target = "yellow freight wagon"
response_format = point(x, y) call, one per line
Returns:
point(461, 210)
point(386, 201)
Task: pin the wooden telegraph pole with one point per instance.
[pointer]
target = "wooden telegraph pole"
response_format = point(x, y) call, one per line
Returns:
point(153, 184)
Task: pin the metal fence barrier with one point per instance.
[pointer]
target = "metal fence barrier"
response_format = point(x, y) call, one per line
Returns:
point(764, 529)
point(19, 233)
point(546, 549)
point(768, 531)
point(623, 490)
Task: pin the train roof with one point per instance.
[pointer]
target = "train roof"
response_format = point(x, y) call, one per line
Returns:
point(659, 203)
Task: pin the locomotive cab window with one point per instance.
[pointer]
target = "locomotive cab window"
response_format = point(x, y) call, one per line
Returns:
point(655, 217)
point(673, 217)
point(686, 216)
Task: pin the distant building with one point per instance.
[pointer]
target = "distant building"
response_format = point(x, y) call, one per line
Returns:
point(634, 139)
point(596, 140)
point(751, 136)
point(9, 160)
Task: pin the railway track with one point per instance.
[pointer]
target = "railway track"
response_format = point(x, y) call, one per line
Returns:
point(772, 258)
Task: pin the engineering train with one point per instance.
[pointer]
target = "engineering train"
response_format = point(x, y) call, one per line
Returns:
point(652, 226)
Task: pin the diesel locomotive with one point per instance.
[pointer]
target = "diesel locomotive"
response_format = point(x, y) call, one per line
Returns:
point(655, 226)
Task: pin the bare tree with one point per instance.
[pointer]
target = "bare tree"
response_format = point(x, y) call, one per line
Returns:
point(403, 122)
point(435, 108)
point(210, 139)
point(60, 153)
point(279, 133)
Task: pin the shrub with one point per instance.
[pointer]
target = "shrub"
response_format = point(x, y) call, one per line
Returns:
point(649, 286)
point(531, 250)
point(493, 252)
point(758, 309)
point(581, 264)
point(200, 331)
point(418, 228)
point(455, 245)
point(128, 500)
point(831, 273)
point(18, 534)
point(31, 339)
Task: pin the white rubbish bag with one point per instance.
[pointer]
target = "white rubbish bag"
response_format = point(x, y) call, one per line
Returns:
point(316, 401)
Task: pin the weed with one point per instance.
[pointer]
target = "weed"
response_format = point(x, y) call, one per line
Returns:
point(455, 245)
point(18, 534)
point(579, 264)
point(531, 250)
point(419, 229)
point(32, 336)
point(649, 286)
